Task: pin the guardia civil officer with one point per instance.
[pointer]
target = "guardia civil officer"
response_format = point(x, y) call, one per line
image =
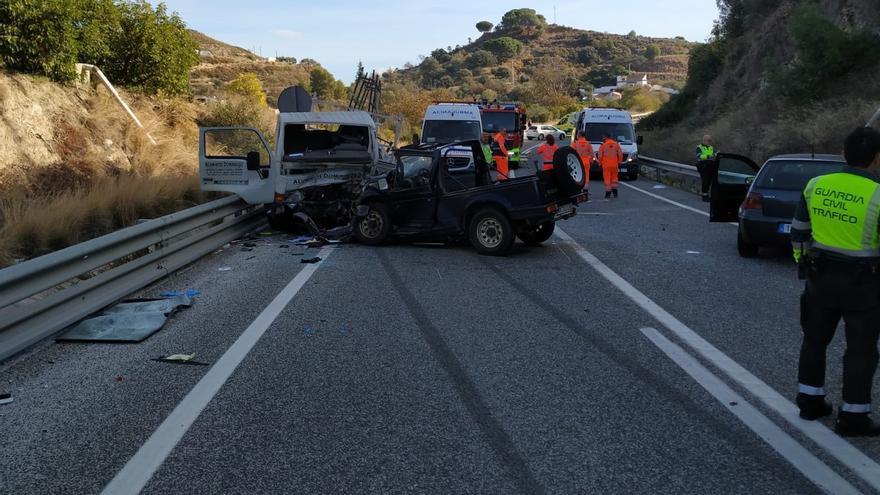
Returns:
point(836, 240)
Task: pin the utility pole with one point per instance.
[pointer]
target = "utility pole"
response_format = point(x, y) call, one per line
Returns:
point(554, 14)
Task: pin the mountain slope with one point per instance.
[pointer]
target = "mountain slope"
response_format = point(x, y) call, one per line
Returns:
point(779, 77)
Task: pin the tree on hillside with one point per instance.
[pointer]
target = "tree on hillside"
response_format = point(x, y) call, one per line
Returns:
point(504, 48)
point(526, 21)
point(360, 70)
point(553, 83)
point(152, 50)
point(248, 85)
point(480, 58)
point(588, 56)
point(652, 51)
point(430, 71)
point(484, 26)
point(440, 55)
point(322, 82)
point(632, 35)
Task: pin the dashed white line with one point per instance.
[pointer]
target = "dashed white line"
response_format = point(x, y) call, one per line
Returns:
point(854, 459)
point(137, 472)
point(800, 458)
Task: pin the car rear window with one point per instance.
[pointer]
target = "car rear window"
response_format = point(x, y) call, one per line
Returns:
point(793, 175)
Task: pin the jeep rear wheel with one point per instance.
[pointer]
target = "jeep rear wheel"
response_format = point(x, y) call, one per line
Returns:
point(490, 232)
point(374, 227)
point(534, 235)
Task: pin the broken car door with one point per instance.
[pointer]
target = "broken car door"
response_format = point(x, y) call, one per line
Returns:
point(413, 198)
point(237, 160)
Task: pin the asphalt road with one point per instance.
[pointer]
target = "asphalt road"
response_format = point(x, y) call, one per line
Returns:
point(431, 369)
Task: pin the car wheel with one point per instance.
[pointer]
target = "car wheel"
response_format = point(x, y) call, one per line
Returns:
point(562, 137)
point(373, 228)
point(746, 249)
point(534, 235)
point(569, 170)
point(490, 232)
point(540, 137)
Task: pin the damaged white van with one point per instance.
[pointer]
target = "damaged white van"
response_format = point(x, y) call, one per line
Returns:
point(315, 171)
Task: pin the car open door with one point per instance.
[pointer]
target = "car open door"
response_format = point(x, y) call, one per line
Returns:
point(731, 179)
point(237, 160)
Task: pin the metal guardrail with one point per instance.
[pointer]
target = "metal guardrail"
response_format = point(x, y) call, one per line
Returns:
point(42, 296)
point(679, 168)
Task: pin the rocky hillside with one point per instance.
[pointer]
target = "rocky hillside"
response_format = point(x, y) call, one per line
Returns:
point(220, 63)
point(778, 77)
point(591, 58)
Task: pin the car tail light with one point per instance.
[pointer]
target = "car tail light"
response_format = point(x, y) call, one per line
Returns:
point(752, 202)
point(551, 208)
point(279, 197)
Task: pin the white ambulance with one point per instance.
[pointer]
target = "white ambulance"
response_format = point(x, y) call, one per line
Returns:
point(596, 122)
point(446, 123)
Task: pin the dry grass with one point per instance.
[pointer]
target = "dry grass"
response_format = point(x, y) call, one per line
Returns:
point(752, 131)
point(103, 174)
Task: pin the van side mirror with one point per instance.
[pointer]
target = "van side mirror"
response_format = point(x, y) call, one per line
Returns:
point(640, 140)
point(253, 160)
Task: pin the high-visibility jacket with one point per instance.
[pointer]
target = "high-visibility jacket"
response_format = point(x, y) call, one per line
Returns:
point(584, 150)
point(500, 138)
point(487, 153)
point(839, 213)
point(610, 153)
point(705, 152)
point(546, 152)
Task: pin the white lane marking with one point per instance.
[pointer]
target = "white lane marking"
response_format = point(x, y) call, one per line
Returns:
point(843, 451)
point(809, 465)
point(676, 203)
point(529, 149)
point(137, 472)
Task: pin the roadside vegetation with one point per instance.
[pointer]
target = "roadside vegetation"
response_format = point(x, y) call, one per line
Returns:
point(549, 67)
point(786, 77)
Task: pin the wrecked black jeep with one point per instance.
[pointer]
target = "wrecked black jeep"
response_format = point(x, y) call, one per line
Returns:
point(423, 199)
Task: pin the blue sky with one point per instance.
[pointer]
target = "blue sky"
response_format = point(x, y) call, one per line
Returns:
point(389, 33)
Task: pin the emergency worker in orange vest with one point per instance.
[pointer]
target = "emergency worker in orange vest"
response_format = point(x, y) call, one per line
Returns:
point(500, 155)
point(585, 151)
point(546, 152)
point(610, 157)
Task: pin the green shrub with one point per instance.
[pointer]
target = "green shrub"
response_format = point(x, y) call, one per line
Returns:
point(133, 44)
point(480, 58)
point(825, 52)
point(505, 47)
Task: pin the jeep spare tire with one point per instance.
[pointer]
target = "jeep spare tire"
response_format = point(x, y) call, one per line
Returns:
point(374, 227)
point(569, 169)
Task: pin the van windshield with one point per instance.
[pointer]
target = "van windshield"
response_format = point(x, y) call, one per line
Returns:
point(623, 133)
point(450, 131)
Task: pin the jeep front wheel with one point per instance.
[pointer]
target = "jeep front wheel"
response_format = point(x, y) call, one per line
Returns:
point(374, 227)
point(490, 232)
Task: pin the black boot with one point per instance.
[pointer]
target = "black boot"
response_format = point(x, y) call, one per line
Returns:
point(607, 194)
point(856, 425)
point(614, 192)
point(813, 406)
point(705, 198)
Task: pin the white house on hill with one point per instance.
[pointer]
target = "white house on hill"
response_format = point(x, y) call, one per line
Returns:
point(632, 80)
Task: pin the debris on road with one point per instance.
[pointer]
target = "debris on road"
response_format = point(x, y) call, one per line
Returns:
point(316, 259)
point(174, 293)
point(224, 269)
point(119, 378)
point(246, 249)
point(659, 186)
point(5, 398)
point(693, 252)
point(128, 321)
point(180, 359)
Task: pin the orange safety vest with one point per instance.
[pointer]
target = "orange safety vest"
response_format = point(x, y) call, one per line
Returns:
point(584, 150)
point(610, 154)
point(547, 153)
point(500, 138)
